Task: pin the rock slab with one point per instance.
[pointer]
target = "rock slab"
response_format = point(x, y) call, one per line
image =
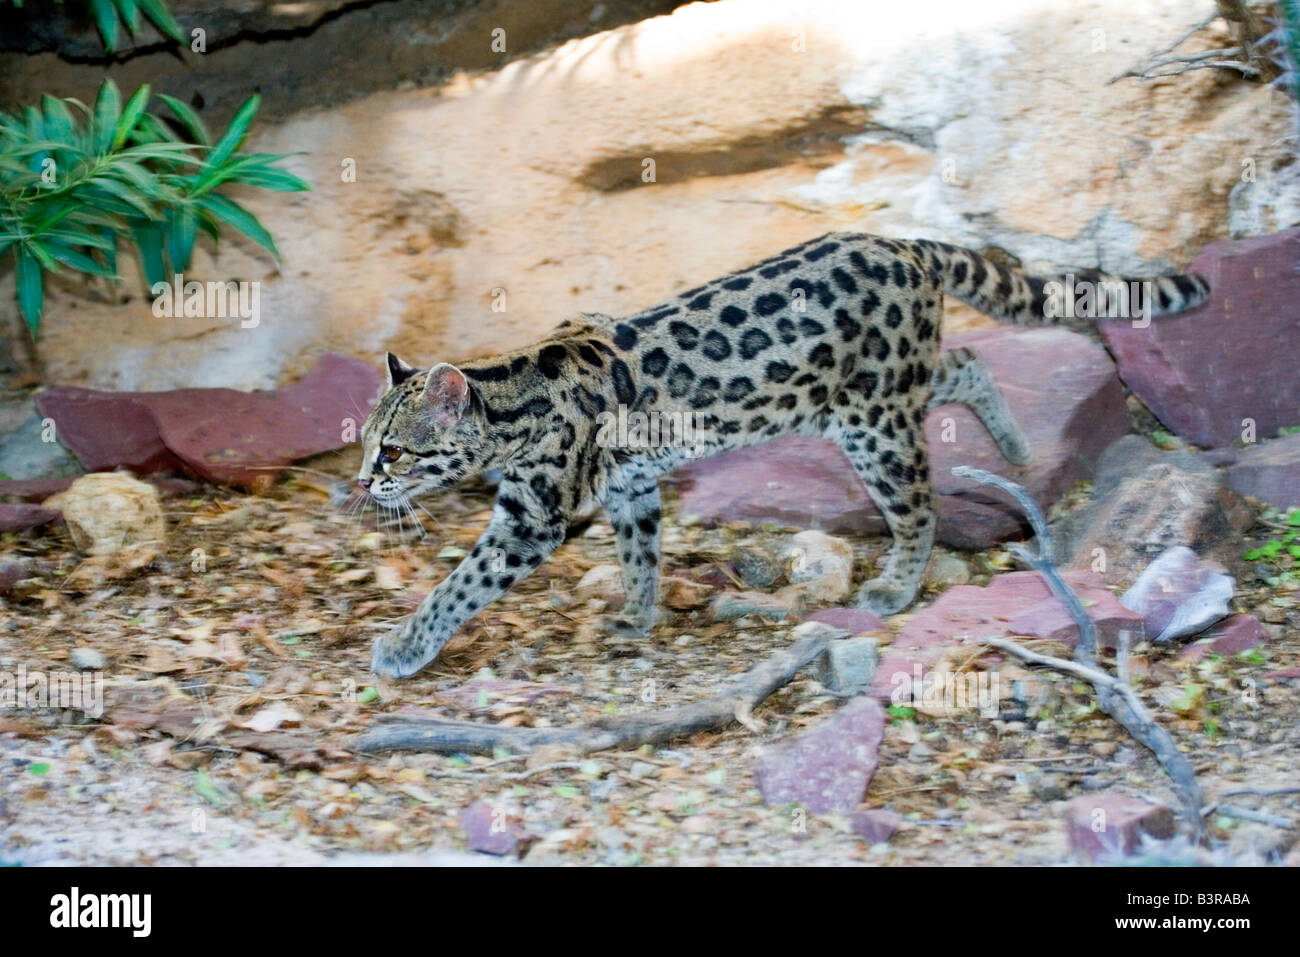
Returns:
point(1269, 471)
point(1145, 502)
point(222, 435)
point(828, 767)
point(1111, 825)
point(1182, 367)
point(1015, 603)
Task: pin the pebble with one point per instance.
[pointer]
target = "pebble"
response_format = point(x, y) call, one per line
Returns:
point(88, 659)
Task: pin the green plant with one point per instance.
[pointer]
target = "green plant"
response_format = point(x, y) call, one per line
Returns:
point(110, 15)
point(75, 182)
point(1282, 551)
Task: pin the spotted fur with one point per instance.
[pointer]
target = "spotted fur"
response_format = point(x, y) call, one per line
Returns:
point(837, 337)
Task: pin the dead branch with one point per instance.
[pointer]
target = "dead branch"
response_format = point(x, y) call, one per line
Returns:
point(1246, 30)
point(712, 714)
point(1249, 814)
point(1116, 698)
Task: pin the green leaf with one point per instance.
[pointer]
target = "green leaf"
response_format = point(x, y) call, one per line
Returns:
point(77, 260)
point(232, 214)
point(367, 694)
point(268, 177)
point(59, 124)
point(106, 19)
point(207, 789)
point(150, 129)
point(75, 236)
point(39, 768)
point(130, 14)
point(235, 133)
point(31, 291)
point(189, 119)
point(149, 241)
point(162, 18)
point(130, 116)
point(124, 193)
point(147, 184)
point(184, 222)
point(108, 107)
point(43, 257)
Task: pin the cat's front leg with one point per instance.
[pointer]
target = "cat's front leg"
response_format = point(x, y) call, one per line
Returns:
point(508, 550)
point(633, 509)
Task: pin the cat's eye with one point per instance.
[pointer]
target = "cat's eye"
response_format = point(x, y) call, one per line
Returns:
point(390, 453)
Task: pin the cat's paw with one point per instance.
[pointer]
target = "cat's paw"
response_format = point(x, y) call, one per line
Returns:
point(400, 653)
point(621, 626)
point(1015, 449)
point(884, 598)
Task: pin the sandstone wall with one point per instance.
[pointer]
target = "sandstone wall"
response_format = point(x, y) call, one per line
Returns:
point(768, 123)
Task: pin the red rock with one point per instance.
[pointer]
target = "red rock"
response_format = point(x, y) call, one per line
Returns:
point(828, 767)
point(875, 826)
point(1050, 619)
point(853, 620)
point(490, 830)
point(1135, 518)
point(1239, 633)
point(1069, 417)
point(108, 430)
point(1229, 637)
point(1108, 825)
point(11, 573)
point(224, 436)
point(1180, 367)
point(1270, 471)
point(15, 518)
point(38, 490)
point(1015, 603)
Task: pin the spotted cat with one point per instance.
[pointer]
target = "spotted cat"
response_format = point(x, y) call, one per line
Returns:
point(836, 337)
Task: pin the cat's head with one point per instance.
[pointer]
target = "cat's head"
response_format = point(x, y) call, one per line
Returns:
point(426, 432)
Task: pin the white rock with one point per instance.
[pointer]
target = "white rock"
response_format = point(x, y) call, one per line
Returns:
point(1178, 594)
point(109, 513)
point(602, 581)
point(821, 564)
point(88, 659)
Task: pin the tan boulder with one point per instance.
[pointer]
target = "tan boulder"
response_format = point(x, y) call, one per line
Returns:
point(115, 519)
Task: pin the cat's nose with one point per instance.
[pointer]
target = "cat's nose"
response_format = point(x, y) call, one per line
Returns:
point(365, 483)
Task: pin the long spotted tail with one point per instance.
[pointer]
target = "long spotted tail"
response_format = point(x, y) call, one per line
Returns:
point(1019, 297)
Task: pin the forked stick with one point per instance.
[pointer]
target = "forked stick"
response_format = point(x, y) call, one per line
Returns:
point(745, 693)
point(1116, 697)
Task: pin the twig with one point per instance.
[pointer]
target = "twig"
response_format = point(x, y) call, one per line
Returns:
point(1258, 793)
point(711, 714)
point(1116, 698)
point(1247, 814)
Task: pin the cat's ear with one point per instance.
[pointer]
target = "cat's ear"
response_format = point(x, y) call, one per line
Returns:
point(446, 393)
point(398, 371)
